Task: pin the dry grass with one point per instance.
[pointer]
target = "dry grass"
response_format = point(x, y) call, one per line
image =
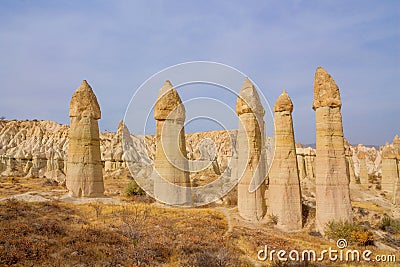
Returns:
point(10, 186)
point(368, 206)
point(135, 233)
point(61, 234)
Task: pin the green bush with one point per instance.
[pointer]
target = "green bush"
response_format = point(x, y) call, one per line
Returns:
point(352, 232)
point(133, 189)
point(390, 225)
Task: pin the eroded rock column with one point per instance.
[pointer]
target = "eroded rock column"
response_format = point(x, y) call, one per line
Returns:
point(363, 175)
point(332, 179)
point(389, 168)
point(171, 176)
point(350, 165)
point(84, 169)
point(251, 162)
point(284, 184)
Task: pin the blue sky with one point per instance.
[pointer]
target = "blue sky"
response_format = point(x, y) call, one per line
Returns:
point(48, 47)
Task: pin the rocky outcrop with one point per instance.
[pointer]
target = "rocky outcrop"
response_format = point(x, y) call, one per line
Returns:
point(350, 165)
point(396, 200)
point(363, 174)
point(84, 169)
point(389, 168)
point(396, 145)
point(250, 158)
point(389, 155)
point(171, 167)
point(332, 179)
point(284, 185)
point(373, 161)
point(306, 161)
point(26, 146)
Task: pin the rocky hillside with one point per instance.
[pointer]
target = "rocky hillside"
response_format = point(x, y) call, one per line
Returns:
point(39, 149)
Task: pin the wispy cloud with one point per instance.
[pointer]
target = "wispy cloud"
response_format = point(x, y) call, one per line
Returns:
point(47, 48)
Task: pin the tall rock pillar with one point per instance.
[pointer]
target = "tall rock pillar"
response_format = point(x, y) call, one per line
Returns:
point(363, 175)
point(284, 184)
point(332, 179)
point(251, 159)
point(389, 168)
point(350, 165)
point(84, 169)
point(396, 194)
point(171, 168)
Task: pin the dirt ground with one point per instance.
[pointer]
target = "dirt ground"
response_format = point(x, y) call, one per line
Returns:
point(52, 230)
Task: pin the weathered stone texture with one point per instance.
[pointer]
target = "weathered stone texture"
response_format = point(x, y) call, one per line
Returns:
point(171, 168)
point(389, 168)
point(332, 179)
point(284, 185)
point(84, 169)
point(363, 176)
point(251, 159)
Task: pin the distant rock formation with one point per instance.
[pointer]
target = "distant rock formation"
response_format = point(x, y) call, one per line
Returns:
point(171, 168)
point(27, 146)
point(350, 165)
point(84, 169)
point(391, 171)
point(251, 162)
point(306, 161)
point(389, 168)
point(363, 176)
point(332, 179)
point(284, 185)
point(373, 161)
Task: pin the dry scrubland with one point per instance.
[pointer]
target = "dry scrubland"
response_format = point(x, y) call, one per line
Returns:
point(139, 232)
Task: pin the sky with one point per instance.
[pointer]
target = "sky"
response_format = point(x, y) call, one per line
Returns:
point(48, 47)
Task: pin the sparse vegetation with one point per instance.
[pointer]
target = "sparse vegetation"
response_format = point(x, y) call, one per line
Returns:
point(133, 189)
point(59, 234)
point(98, 208)
point(354, 233)
point(273, 218)
point(390, 225)
point(137, 233)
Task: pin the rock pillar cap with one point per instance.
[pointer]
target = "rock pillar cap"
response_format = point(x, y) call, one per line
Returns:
point(248, 100)
point(84, 103)
point(169, 104)
point(326, 91)
point(283, 103)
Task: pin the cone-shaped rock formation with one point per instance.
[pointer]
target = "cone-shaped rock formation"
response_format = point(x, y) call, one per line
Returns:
point(171, 173)
point(84, 169)
point(332, 179)
point(284, 185)
point(251, 159)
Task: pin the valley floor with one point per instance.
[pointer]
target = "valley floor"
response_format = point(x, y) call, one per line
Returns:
point(40, 226)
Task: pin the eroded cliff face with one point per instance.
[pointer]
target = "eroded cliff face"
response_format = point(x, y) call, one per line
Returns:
point(39, 149)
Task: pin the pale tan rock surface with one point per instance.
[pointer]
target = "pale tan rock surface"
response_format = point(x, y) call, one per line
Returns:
point(171, 168)
point(332, 179)
point(84, 169)
point(250, 158)
point(29, 143)
point(284, 185)
point(373, 160)
point(25, 144)
point(396, 200)
point(396, 194)
point(363, 176)
point(396, 145)
point(350, 165)
point(306, 154)
point(389, 168)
